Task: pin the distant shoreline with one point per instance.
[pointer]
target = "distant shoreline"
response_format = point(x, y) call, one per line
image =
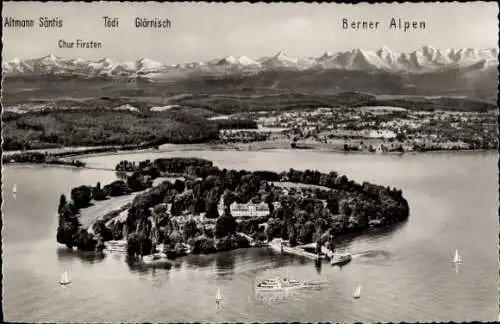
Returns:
point(250, 147)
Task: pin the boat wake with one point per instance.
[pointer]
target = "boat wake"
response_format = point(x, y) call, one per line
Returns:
point(373, 257)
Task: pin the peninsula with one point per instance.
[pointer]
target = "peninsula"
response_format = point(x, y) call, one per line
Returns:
point(200, 208)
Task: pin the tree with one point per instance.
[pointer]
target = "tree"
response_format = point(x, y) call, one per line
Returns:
point(203, 244)
point(229, 197)
point(306, 232)
point(116, 188)
point(332, 204)
point(400, 136)
point(179, 186)
point(62, 203)
point(160, 209)
point(136, 182)
point(225, 225)
point(293, 240)
point(81, 196)
point(211, 202)
point(98, 193)
point(341, 181)
point(103, 231)
point(344, 208)
point(138, 244)
point(190, 229)
point(65, 233)
point(359, 214)
point(84, 241)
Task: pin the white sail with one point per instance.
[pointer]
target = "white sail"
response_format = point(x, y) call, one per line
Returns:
point(357, 292)
point(217, 295)
point(14, 189)
point(64, 278)
point(457, 258)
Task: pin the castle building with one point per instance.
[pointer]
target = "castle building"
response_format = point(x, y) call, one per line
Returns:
point(245, 210)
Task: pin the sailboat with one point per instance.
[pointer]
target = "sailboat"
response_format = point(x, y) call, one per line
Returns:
point(457, 259)
point(64, 279)
point(14, 189)
point(217, 296)
point(357, 292)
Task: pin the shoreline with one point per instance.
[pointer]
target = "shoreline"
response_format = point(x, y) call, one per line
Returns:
point(204, 147)
point(250, 147)
point(67, 166)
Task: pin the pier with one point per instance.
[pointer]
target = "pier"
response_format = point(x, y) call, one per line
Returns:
point(280, 245)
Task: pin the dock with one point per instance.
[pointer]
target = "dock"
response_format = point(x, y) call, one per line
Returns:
point(324, 250)
point(279, 245)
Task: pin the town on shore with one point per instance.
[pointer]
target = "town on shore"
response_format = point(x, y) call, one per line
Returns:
point(178, 206)
point(373, 129)
point(357, 124)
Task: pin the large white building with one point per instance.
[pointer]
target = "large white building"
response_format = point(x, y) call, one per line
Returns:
point(245, 210)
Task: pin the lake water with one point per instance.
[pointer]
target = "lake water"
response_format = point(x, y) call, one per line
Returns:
point(406, 273)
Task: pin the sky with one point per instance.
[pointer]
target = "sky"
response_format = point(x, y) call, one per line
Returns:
point(204, 31)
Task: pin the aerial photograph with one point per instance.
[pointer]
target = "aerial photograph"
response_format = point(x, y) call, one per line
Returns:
point(250, 162)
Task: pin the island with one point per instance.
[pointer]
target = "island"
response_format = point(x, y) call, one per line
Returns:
point(188, 205)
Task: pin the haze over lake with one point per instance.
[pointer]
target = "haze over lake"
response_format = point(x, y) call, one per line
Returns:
point(406, 272)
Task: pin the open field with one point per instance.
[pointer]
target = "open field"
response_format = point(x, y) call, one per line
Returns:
point(100, 208)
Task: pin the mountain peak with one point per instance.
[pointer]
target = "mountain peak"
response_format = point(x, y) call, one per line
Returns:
point(424, 59)
point(105, 60)
point(326, 55)
point(227, 60)
point(384, 50)
point(244, 60)
point(49, 57)
point(147, 61)
point(280, 54)
point(428, 49)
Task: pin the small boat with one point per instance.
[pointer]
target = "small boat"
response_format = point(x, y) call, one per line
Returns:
point(14, 189)
point(357, 292)
point(156, 259)
point(340, 259)
point(218, 296)
point(64, 279)
point(457, 259)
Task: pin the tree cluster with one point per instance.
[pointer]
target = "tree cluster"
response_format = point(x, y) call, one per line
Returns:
point(84, 127)
point(69, 231)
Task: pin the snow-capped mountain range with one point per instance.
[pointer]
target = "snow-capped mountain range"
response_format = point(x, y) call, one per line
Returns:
point(425, 59)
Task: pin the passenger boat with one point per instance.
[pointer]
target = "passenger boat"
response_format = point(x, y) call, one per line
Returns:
point(340, 259)
point(276, 284)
